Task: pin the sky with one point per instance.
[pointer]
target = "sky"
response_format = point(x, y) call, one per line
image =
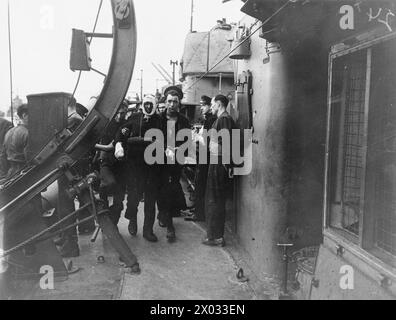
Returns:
point(41, 39)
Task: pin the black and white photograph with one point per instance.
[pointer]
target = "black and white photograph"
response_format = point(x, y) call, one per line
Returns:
point(196, 156)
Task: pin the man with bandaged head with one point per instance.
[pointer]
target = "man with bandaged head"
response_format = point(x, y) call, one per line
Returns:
point(143, 179)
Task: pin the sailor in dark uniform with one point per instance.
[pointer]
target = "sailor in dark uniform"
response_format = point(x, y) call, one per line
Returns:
point(172, 199)
point(5, 126)
point(143, 179)
point(219, 181)
point(201, 173)
point(15, 145)
point(113, 172)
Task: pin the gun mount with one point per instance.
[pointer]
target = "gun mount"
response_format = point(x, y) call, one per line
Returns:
point(18, 197)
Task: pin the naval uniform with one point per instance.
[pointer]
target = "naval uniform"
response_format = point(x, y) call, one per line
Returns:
point(5, 126)
point(15, 149)
point(143, 179)
point(113, 174)
point(172, 199)
point(201, 175)
point(219, 183)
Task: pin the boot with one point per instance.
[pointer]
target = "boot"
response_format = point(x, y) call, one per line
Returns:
point(194, 218)
point(161, 220)
point(214, 242)
point(150, 236)
point(70, 248)
point(171, 235)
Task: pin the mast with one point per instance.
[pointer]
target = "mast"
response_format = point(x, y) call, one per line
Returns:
point(141, 85)
point(10, 60)
point(192, 16)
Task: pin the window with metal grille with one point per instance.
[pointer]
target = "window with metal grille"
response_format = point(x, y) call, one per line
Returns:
point(381, 158)
point(361, 186)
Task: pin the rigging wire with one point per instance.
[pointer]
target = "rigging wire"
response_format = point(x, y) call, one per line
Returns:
point(241, 43)
point(90, 41)
point(10, 61)
point(96, 20)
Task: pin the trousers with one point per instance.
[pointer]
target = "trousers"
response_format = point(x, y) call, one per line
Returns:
point(217, 189)
point(114, 181)
point(201, 179)
point(144, 181)
point(171, 199)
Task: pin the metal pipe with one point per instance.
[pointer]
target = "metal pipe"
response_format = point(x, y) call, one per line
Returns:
point(208, 54)
point(99, 35)
point(174, 64)
point(101, 73)
point(95, 234)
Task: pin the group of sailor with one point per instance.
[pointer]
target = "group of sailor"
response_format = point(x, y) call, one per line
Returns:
point(124, 170)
